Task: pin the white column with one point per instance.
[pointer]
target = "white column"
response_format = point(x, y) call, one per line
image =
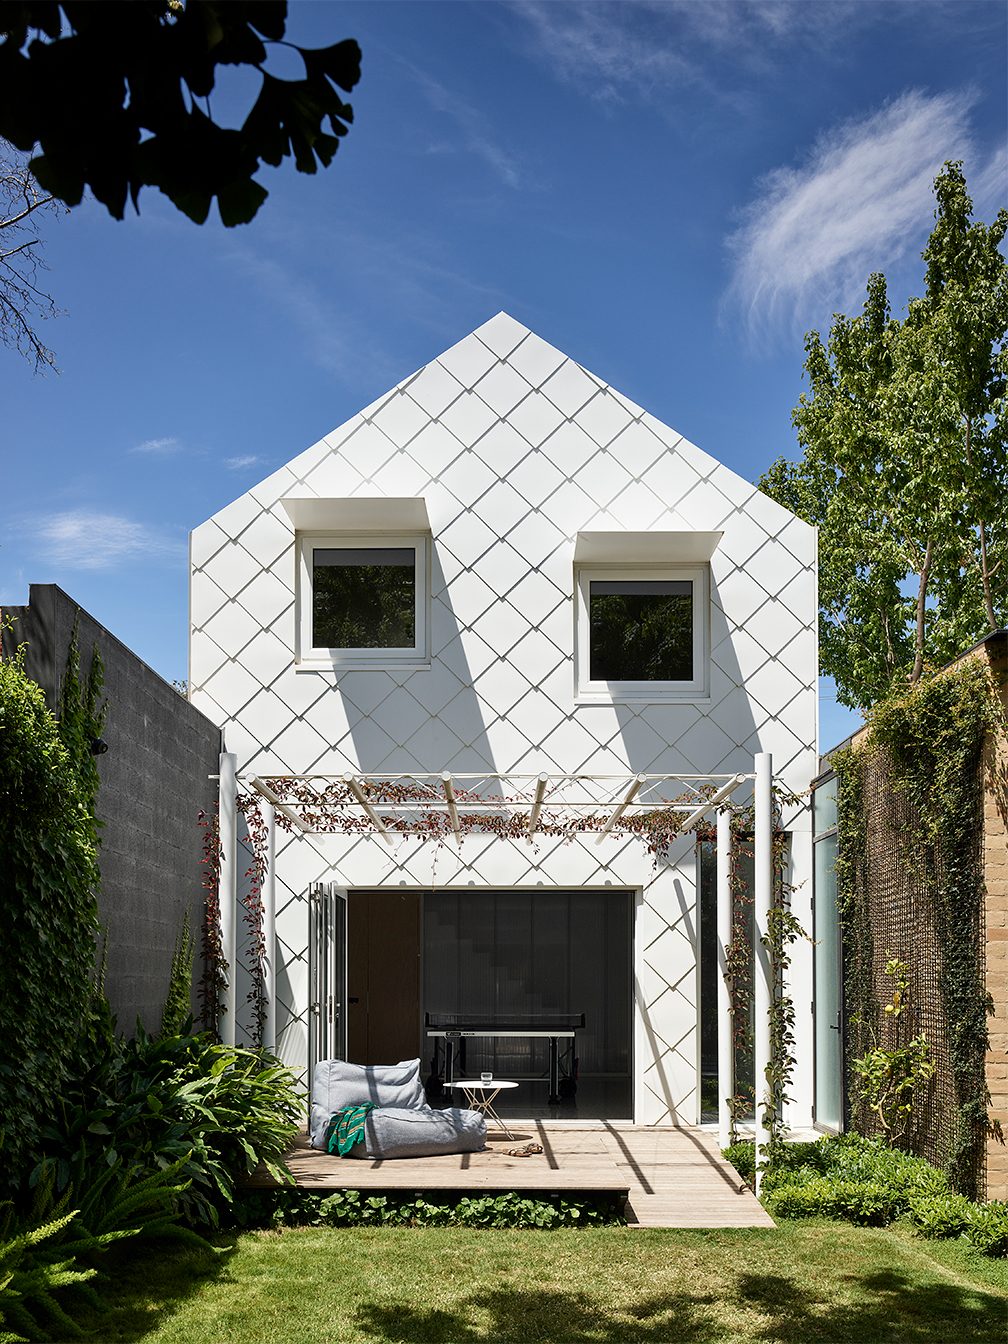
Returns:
point(764, 900)
point(726, 1074)
point(269, 929)
point(228, 892)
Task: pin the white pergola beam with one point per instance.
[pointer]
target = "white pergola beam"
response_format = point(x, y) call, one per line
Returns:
point(540, 793)
point(449, 792)
point(631, 794)
point(275, 802)
point(376, 820)
point(714, 801)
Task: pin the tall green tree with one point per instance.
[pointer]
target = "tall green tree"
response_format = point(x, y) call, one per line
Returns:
point(905, 465)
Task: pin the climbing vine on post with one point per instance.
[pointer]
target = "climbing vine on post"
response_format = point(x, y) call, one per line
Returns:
point(214, 976)
point(783, 930)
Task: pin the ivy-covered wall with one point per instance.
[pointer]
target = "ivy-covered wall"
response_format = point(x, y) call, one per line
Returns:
point(48, 913)
point(153, 784)
point(920, 813)
point(996, 922)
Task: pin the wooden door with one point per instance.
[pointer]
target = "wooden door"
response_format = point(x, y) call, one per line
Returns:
point(383, 976)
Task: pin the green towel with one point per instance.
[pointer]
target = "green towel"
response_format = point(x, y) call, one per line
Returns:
point(346, 1128)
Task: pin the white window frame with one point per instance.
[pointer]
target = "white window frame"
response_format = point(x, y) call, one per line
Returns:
point(698, 688)
point(310, 658)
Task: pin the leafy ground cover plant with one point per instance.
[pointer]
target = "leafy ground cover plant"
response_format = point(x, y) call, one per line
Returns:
point(348, 1208)
point(742, 1156)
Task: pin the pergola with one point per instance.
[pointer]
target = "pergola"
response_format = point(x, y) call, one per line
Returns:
point(395, 808)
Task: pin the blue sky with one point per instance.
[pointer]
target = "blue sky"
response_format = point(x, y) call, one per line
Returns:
point(671, 193)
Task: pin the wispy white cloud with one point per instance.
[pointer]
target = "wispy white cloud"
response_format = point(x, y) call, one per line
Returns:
point(157, 447)
point(399, 275)
point(81, 539)
point(606, 46)
point(617, 51)
point(862, 202)
point(477, 137)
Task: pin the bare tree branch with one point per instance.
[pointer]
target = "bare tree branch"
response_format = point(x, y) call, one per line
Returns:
point(23, 305)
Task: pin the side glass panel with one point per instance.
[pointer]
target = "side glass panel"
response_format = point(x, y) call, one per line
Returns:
point(363, 598)
point(825, 806)
point(826, 933)
point(641, 630)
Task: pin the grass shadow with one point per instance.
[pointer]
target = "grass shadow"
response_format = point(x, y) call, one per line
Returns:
point(143, 1283)
point(518, 1314)
point(887, 1306)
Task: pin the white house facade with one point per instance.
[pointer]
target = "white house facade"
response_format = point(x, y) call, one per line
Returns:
point(497, 520)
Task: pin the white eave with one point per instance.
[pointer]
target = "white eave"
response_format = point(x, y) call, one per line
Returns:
point(375, 513)
point(647, 548)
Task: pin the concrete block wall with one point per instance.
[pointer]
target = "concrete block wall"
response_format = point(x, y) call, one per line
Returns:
point(154, 781)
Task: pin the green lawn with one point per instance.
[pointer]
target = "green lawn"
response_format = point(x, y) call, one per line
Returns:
point(803, 1282)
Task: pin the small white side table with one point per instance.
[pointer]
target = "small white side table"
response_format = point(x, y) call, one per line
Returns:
point(481, 1096)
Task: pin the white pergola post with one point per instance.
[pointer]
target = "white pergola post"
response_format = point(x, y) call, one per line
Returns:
point(269, 929)
point(726, 1072)
point(761, 968)
point(228, 891)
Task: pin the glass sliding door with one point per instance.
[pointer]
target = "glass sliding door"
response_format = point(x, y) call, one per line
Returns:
point(531, 953)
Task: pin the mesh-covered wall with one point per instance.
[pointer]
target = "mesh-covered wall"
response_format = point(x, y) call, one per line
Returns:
point(900, 908)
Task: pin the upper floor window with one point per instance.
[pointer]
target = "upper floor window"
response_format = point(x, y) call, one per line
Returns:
point(363, 600)
point(642, 632)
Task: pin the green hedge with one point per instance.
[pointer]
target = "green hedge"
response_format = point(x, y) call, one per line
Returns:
point(862, 1181)
point(48, 908)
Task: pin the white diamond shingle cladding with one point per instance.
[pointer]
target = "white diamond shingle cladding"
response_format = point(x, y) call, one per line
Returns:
point(515, 449)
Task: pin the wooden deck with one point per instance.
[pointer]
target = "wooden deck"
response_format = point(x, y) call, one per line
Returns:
point(669, 1176)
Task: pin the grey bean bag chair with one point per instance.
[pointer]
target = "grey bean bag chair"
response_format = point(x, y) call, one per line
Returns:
point(404, 1125)
point(397, 1132)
